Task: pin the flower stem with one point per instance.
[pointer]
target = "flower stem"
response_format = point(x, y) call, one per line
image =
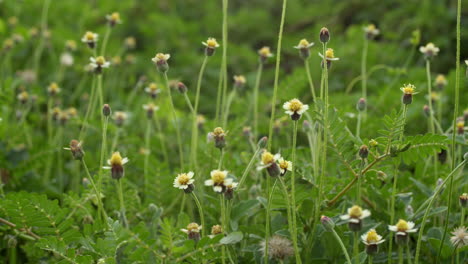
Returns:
point(309, 77)
point(105, 122)
point(343, 248)
point(194, 143)
point(272, 119)
point(356, 246)
point(222, 82)
point(455, 113)
point(101, 211)
point(364, 68)
point(116, 139)
point(106, 39)
point(189, 104)
point(293, 193)
point(223, 224)
point(122, 204)
point(408, 253)
point(91, 99)
point(40, 47)
point(255, 98)
point(400, 254)
point(429, 96)
point(147, 154)
point(429, 207)
point(221, 156)
point(248, 168)
point(176, 123)
point(200, 212)
point(162, 140)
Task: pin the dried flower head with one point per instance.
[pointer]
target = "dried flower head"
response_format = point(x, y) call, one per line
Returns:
point(90, 38)
point(371, 31)
point(153, 90)
point(216, 230)
point(116, 163)
point(295, 108)
point(193, 231)
point(76, 149)
point(184, 181)
point(429, 51)
point(113, 19)
point(217, 180)
point(460, 237)
point(98, 63)
point(279, 248)
point(161, 61)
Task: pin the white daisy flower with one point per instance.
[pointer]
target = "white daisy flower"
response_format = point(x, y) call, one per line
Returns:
point(295, 108)
point(372, 238)
point(217, 180)
point(430, 50)
point(116, 163)
point(184, 180)
point(329, 55)
point(403, 227)
point(355, 214)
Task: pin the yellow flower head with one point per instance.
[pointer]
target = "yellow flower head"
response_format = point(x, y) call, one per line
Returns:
point(70, 44)
point(161, 57)
point(115, 16)
point(371, 27)
point(100, 60)
point(130, 42)
point(90, 36)
point(303, 43)
point(408, 89)
point(265, 52)
point(267, 158)
point(295, 105)
point(283, 164)
point(402, 225)
point(8, 43)
point(240, 79)
point(193, 227)
point(441, 80)
point(153, 86)
point(183, 179)
point(211, 43)
point(53, 88)
point(72, 112)
point(218, 132)
point(23, 96)
point(355, 212)
point(329, 53)
point(218, 177)
point(460, 124)
point(116, 159)
point(201, 119)
point(373, 143)
point(372, 236)
point(216, 230)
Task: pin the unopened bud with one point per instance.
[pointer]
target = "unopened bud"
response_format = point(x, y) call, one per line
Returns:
point(426, 110)
point(464, 200)
point(262, 142)
point(407, 99)
point(324, 35)
point(363, 152)
point(106, 110)
point(327, 222)
point(181, 87)
point(361, 104)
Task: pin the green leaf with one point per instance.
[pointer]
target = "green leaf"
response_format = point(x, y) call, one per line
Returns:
point(232, 238)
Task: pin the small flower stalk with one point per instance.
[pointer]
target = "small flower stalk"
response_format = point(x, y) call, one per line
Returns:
point(116, 163)
point(304, 48)
point(210, 46)
point(193, 231)
point(161, 62)
point(372, 240)
point(90, 38)
point(295, 108)
point(354, 217)
point(184, 181)
point(408, 91)
point(402, 229)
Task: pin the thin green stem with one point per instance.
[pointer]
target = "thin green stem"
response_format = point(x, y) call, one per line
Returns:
point(200, 212)
point(293, 193)
point(343, 248)
point(429, 96)
point(455, 113)
point(429, 207)
point(223, 224)
point(358, 125)
point(162, 140)
point(91, 99)
point(146, 161)
point(408, 254)
point(194, 143)
point(288, 211)
point(189, 104)
point(105, 122)
point(40, 47)
point(356, 246)
point(122, 203)
point(400, 254)
point(176, 123)
point(224, 60)
point(248, 168)
point(255, 98)
point(115, 141)
point(106, 39)
point(311, 82)
point(98, 194)
point(369, 259)
point(220, 162)
point(364, 68)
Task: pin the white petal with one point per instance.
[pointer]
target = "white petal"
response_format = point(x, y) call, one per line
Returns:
point(277, 157)
point(106, 167)
point(209, 182)
point(191, 181)
point(184, 230)
point(412, 230)
point(354, 220)
point(125, 160)
point(344, 217)
point(218, 189)
point(365, 213)
point(286, 105)
point(190, 174)
point(392, 228)
point(410, 225)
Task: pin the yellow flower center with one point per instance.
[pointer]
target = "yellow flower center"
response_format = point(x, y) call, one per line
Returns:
point(265, 52)
point(192, 227)
point(371, 27)
point(153, 86)
point(218, 177)
point(330, 53)
point(161, 56)
point(408, 89)
point(100, 60)
point(115, 16)
point(53, 86)
point(284, 164)
point(239, 78)
point(218, 131)
point(303, 43)
point(89, 36)
point(212, 43)
point(295, 105)
point(402, 225)
point(460, 124)
point(116, 159)
point(267, 158)
point(183, 179)
point(440, 78)
point(372, 236)
point(355, 212)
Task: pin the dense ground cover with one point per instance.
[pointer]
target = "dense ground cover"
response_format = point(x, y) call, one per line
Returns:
point(211, 132)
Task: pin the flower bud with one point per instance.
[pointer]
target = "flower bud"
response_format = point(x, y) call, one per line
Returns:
point(401, 238)
point(372, 249)
point(247, 132)
point(363, 152)
point(324, 35)
point(426, 110)
point(262, 142)
point(464, 200)
point(106, 110)
point(407, 99)
point(361, 104)
point(181, 87)
point(327, 222)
